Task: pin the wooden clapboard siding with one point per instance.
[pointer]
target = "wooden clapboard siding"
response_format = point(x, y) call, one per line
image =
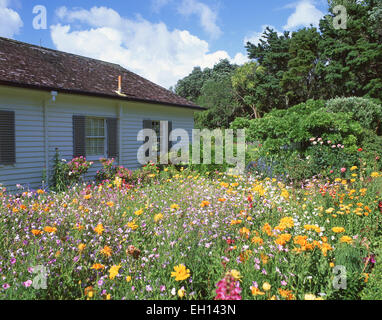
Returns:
point(30, 138)
point(132, 123)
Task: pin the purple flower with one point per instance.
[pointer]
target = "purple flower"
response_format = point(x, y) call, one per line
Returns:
point(13, 261)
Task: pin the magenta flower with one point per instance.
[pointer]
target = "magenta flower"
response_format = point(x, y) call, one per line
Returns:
point(228, 289)
point(27, 283)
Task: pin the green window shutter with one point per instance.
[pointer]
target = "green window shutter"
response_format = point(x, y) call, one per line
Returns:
point(7, 137)
point(112, 137)
point(79, 136)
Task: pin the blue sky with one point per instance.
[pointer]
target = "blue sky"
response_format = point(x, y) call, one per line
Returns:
point(161, 40)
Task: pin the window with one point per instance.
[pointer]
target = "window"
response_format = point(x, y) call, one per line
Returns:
point(155, 125)
point(95, 137)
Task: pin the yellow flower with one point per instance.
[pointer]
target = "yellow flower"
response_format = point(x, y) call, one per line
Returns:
point(138, 212)
point(266, 286)
point(244, 232)
point(374, 175)
point(180, 273)
point(235, 274)
point(330, 210)
point(128, 278)
point(81, 247)
point(113, 272)
point(158, 217)
point(99, 229)
point(309, 296)
point(110, 204)
point(285, 194)
point(338, 229)
point(346, 239)
point(118, 182)
point(132, 225)
point(353, 168)
point(181, 292)
point(285, 223)
point(87, 196)
point(174, 206)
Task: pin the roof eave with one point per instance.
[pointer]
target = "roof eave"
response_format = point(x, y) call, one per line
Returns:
point(95, 94)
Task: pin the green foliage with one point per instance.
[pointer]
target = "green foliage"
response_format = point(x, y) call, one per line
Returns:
point(218, 97)
point(365, 111)
point(66, 174)
point(110, 171)
point(373, 288)
point(314, 137)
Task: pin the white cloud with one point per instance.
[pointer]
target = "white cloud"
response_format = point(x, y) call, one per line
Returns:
point(304, 15)
point(149, 49)
point(207, 17)
point(255, 37)
point(157, 5)
point(240, 59)
point(10, 21)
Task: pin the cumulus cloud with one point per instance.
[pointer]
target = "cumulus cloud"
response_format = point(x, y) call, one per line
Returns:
point(10, 21)
point(207, 17)
point(304, 15)
point(148, 49)
point(255, 37)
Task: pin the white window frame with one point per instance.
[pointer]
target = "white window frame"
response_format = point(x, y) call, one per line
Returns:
point(96, 157)
point(157, 133)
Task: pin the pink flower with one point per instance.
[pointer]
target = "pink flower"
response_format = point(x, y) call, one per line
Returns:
point(343, 170)
point(27, 283)
point(228, 289)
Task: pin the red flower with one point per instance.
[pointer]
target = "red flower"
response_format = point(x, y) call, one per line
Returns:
point(230, 241)
point(360, 149)
point(380, 206)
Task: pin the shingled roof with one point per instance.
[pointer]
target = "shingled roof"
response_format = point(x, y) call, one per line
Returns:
point(30, 66)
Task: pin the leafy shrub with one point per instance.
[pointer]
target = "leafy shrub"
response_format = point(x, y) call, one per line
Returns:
point(313, 138)
point(365, 111)
point(65, 174)
point(373, 289)
point(110, 171)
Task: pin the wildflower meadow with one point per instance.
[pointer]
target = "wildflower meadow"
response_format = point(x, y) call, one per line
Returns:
point(185, 235)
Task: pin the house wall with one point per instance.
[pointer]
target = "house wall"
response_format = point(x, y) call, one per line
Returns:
point(29, 134)
point(34, 149)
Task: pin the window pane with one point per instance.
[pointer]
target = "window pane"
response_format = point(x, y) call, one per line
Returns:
point(95, 146)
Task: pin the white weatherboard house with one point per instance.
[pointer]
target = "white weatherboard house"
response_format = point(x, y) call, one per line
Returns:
point(84, 107)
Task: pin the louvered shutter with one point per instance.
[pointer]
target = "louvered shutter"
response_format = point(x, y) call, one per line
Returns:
point(112, 137)
point(169, 131)
point(7, 137)
point(79, 136)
